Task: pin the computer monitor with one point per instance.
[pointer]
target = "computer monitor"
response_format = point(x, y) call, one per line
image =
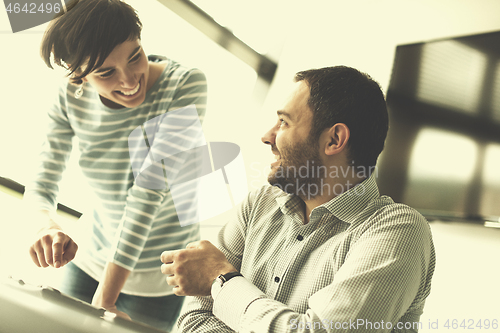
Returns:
point(442, 153)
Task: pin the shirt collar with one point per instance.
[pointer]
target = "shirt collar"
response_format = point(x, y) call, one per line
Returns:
point(288, 203)
point(350, 204)
point(345, 207)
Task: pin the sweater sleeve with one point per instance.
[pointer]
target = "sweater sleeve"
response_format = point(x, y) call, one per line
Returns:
point(42, 190)
point(166, 137)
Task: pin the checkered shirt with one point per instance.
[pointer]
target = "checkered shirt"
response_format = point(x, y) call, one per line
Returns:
point(362, 264)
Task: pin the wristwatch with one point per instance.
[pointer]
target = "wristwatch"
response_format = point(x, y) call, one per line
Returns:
point(223, 278)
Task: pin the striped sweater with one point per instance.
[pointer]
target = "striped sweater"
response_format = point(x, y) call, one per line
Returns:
point(132, 224)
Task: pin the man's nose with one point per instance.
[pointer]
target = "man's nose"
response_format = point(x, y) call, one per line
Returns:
point(270, 137)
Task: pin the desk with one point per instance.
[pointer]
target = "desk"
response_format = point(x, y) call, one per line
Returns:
point(27, 304)
point(29, 308)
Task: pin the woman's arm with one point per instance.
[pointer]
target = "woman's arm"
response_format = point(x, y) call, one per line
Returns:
point(53, 247)
point(110, 286)
point(143, 203)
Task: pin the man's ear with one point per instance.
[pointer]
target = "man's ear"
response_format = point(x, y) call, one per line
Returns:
point(336, 138)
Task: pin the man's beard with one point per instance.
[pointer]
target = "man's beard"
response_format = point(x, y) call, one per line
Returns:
point(300, 170)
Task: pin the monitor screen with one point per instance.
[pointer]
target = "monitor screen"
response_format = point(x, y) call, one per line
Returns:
point(442, 153)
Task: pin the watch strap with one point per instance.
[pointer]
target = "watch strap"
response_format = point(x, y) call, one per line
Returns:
point(223, 278)
point(219, 282)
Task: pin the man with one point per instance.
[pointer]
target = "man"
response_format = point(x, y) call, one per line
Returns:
point(320, 250)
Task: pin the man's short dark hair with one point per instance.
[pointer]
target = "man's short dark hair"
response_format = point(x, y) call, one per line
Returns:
point(87, 33)
point(342, 94)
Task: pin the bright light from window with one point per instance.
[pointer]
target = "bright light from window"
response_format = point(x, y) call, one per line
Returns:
point(451, 76)
point(442, 155)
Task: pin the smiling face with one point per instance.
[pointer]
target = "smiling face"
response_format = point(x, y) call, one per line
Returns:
point(297, 153)
point(124, 77)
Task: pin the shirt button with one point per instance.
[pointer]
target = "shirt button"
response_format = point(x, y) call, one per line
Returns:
point(276, 279)
point(299, 237)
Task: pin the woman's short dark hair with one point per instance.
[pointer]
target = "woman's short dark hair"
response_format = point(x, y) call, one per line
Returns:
point(345, 95)
point(87, 33)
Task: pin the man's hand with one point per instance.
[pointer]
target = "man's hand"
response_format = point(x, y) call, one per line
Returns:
point(192, 271)
point(53, 248)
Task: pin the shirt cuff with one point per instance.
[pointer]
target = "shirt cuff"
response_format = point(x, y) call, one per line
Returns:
point(232, 300)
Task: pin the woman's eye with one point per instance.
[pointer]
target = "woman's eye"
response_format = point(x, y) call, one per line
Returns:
point(282, 122)
point(135, 58)
point(107, 74)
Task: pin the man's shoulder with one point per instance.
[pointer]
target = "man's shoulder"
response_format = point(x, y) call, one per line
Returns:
point(384, 213)
point(385, 207)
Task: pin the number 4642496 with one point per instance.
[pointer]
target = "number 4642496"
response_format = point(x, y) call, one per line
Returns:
point(33, 8)
point(471, 324)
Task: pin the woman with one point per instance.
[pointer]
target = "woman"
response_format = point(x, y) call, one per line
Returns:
point(114, 88)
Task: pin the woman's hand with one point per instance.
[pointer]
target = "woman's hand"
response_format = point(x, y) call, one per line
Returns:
point(109, 288)
point(52, 248)
point(99, 301)
point(119, 313)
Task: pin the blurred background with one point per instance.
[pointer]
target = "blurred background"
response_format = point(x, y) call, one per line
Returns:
point(437, 61)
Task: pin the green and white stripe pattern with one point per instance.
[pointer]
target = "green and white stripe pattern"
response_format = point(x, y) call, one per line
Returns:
point(133, 224)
